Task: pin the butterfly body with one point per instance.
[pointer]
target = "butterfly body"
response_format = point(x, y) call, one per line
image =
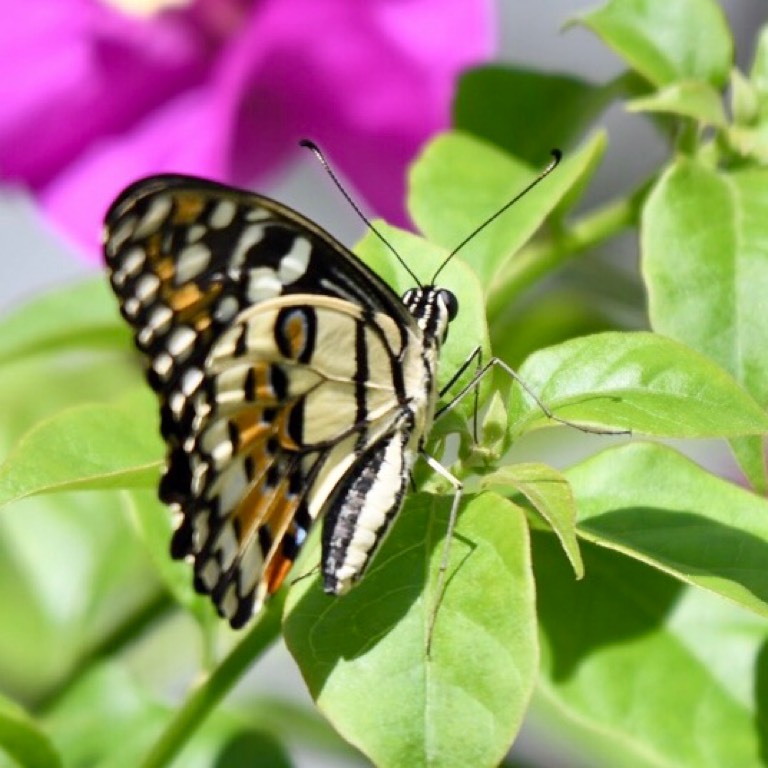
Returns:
point(294, 383)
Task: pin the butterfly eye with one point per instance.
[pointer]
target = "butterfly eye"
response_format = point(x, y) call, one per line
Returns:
point(451, 303)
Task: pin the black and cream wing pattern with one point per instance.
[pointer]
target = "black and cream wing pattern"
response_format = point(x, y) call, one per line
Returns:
point(294, 384)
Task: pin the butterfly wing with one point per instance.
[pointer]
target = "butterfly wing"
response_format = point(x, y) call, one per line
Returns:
point(275, 354)
point(284, 415)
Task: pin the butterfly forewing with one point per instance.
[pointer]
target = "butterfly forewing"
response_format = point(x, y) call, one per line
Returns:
point(293, 382)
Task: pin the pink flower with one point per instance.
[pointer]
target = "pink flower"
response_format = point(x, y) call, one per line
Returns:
point(93, 98)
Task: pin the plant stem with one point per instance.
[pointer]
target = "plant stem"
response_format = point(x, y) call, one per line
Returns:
point(542, 257)
point(201, 701)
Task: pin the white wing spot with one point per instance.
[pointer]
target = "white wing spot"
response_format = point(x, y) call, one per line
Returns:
point(257, 214)
point(251, 235)
point(202, 529)
point(157, 213)
point(210, 574)
point(229, 603)
point(226, 345)
point(116, 238)
point(132, 306)
point(222, 452)
point(162, 364)
point(223, 214)
point(191, 262)
point(294, 264)
point(251, 564)
point(176, 403)
point(226, 309)
point(198, 479)
point(227, 545)
point(190, 381)
point(180, 342)
point(233, 484)
point(145, 336)
point(146, 288)
point(195, 232)
point(263, 284)
point(159, 319)
point(133, 261)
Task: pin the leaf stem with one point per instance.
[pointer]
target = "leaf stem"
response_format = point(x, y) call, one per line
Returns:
point(202, 699)
point(542, 257)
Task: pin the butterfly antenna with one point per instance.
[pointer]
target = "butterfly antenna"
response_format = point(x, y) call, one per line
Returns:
point(312, 147)
point(556, 157)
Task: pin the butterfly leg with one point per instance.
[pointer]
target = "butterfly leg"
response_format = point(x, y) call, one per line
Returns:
point(475, 355)
point(458, 488)
point(496, 362)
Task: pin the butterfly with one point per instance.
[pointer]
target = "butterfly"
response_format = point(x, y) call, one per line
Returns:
point(294, 384)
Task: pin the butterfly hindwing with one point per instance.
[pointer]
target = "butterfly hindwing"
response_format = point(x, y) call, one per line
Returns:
point(262, 466)
point(278, 358)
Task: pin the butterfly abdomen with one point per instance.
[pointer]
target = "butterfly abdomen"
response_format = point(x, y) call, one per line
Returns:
point(361, 511)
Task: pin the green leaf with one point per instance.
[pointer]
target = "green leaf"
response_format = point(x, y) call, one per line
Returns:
point(296, 722)
point(551, 318)
point(60, 350)
point(77, 449)
point(710, 295)
point(469, 330)
point(689, 98)
point(750, 105)
point(105, 708)
point(759, 72)
point(526, 112)
point(648, 501)
point(549, 493)
point(110, 719)
point(745, 99)
point(652, 673)
point(37, 388)
point(24, 740)
point(464, 704)
point(667, 42)
point(637, 381)
point(749, 142)
point(459, 181)
point(74, 573)
point(750, 454)
point(81, 315)
point(250, 747)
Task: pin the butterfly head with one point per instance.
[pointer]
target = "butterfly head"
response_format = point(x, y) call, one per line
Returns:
point(433, 308)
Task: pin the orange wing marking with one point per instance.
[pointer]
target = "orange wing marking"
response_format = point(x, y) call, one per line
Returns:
point(188, 208)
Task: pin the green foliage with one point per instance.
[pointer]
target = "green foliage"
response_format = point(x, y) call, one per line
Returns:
point(643, 671)
point(482, 663)
point(667, 42)
point(23, 739)
point(625, 595)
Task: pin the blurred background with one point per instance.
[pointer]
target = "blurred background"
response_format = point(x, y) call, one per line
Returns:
point(35, 257)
